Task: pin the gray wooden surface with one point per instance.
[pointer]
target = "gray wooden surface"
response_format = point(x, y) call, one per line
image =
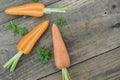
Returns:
point(92, 41)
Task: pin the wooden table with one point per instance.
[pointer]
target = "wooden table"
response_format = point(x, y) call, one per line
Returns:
point(92, 38)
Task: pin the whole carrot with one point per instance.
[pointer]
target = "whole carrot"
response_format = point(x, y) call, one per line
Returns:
point(61, 56)
point(26, 44)
point(32, 9)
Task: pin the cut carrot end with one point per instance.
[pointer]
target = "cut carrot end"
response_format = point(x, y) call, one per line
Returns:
point(65, 74)
point(50, 10)
point(13, 61)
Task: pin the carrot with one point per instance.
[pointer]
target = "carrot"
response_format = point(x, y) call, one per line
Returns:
point(32, 9)
point(32, 37)
point(61, 56)
point(26, 44)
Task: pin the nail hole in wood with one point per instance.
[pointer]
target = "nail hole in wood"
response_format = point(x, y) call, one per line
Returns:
point(105, 13)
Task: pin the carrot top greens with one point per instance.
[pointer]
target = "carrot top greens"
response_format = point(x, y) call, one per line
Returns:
point(17, 30)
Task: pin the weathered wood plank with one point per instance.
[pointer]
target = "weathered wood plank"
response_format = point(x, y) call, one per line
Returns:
point(88, 34)
point(103, 67)
point(7, 3)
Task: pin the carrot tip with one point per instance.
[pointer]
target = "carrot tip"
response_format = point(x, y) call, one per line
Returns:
point(54, 26)
point(6, 11)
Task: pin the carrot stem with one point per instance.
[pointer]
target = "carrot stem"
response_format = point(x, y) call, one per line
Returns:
point(50, 10)
point(65, 74)
point(13, 61)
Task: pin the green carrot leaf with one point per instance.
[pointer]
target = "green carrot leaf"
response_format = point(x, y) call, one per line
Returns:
point(44, 55)
point(12, 25)
point(35, 0)
point(9, 27)
point(62, 21)
point(16, 30)
point(23, 31)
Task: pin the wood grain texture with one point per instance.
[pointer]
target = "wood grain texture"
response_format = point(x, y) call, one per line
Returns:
point(102, 67)
point(8, 3)
point(88, 34)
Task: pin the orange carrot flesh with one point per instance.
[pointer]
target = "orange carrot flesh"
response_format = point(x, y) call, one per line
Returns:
point(61, 56)
point(41, 30)
point(60, 52)
point(28, 41)
point(26, 44)
point(32, 9)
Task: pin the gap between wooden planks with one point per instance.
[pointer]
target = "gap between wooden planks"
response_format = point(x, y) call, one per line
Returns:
point(90, 36)
point(102, 67)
